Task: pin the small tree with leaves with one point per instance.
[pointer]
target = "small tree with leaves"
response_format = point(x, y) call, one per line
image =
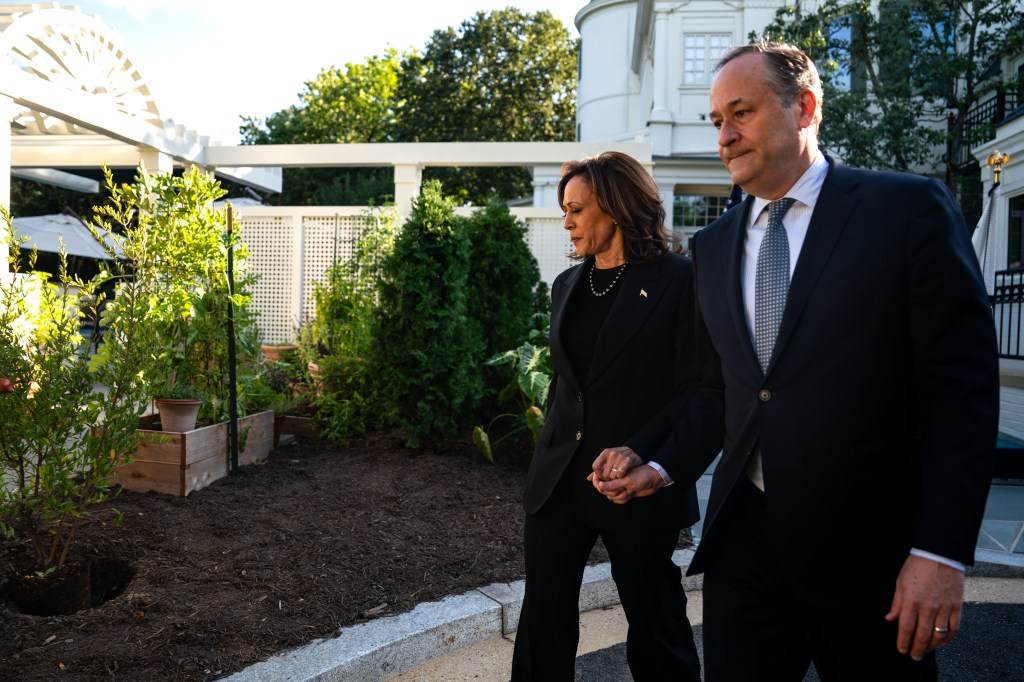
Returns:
point(426, 350)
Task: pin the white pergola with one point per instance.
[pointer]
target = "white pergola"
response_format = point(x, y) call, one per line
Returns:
point(71, 97)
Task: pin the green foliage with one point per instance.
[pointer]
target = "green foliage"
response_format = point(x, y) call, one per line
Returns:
point(531, 369)
point(175, 246)
point(501, 76)
point(339, 339)
point(425, 350)
point(503, 277)
point(901, 78)
point(68, 421)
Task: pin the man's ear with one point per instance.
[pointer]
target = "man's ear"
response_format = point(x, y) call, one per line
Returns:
point(808, 105)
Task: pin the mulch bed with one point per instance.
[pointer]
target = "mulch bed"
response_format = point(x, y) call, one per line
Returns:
point(317, 538)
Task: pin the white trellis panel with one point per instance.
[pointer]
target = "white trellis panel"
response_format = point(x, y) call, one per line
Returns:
point(271, 243)
point(326, 239)
point(548, 240)
point(291, 248)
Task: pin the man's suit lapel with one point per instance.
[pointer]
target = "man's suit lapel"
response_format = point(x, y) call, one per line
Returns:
point(641, 289)
point(831, 215)
point(733, 284)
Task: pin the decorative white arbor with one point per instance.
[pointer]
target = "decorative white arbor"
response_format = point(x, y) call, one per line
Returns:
point(71, 97)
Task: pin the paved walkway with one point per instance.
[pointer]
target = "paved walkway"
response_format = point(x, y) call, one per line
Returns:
point(470, 636)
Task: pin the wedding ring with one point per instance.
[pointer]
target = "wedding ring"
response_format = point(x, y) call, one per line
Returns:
point(939, 630)
point(616, 470)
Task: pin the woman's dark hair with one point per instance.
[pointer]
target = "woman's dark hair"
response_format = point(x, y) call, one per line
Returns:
point(627, 192)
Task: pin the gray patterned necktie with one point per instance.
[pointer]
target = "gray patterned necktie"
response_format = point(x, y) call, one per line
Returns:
point(771, 281)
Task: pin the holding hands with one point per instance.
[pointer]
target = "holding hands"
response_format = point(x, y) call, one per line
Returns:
point(620, 475)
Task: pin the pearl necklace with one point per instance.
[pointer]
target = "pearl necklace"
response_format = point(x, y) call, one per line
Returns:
point(622, 268)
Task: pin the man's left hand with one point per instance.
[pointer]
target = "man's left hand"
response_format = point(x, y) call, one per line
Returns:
point(927, 604)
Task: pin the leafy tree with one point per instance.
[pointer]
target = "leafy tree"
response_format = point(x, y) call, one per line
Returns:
point(501, 76)
point(354, 104)
point(900, 81)
point(426, 351)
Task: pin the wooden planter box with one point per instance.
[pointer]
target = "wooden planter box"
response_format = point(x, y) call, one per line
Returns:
point(180, 463)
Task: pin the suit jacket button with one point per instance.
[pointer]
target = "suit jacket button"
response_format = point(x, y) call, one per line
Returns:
point(765, 395)
point(579, 434)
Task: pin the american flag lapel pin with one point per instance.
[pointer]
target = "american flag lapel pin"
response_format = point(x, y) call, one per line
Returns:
point(643, 293)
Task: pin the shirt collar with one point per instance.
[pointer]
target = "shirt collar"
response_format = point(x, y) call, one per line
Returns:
point(805, 190)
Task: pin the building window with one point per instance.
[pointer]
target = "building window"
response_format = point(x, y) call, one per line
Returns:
point(1015, 233)
point(691, 212)
point(701, 51)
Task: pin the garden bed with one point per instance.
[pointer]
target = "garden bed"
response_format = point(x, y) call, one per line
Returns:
point(181, 463)
point(317, 538)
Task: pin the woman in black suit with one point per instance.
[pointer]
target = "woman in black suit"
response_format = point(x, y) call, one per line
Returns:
point(622, 325)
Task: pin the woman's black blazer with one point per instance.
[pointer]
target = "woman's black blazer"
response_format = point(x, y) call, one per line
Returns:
point(643, 368)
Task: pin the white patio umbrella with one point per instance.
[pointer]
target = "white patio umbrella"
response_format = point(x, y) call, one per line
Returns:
point(45, 232)
point(983, 242)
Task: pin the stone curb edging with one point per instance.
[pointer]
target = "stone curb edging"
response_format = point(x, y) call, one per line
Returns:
point(386, 647)
point(383, 648)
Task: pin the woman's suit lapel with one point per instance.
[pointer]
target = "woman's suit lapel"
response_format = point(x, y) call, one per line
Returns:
point(642, 286)
point(559, 305)
point(641, 291)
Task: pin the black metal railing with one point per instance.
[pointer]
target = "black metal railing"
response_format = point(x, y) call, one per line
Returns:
point(980, 125)
point(1008, 310)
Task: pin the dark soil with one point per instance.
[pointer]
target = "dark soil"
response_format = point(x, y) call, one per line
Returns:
point(318, 538)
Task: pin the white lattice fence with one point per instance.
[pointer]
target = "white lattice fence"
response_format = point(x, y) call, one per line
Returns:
point(271, 244)
point(290, 248)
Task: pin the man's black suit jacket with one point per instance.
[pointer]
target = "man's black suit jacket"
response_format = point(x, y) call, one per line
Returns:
point(643, 369)
point(877, 416)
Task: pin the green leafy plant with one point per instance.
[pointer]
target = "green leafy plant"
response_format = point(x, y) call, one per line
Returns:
point(530, 365)
point(339, 339)
point(425, 351)
point(69, 418)
point(174, 245)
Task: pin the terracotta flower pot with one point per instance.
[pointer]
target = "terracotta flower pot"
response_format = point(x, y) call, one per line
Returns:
point(277, 352)
point(178, 415)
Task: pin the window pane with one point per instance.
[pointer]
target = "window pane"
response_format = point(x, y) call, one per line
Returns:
point(700, 54)
point(692, 212)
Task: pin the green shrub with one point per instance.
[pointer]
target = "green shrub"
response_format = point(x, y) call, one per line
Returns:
point(426, 351)
point(503, 278)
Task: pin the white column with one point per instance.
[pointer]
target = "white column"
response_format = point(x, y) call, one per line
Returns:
point(408, 177)
point(661, 116)
point(6, 112)
point(667, 192)
point(155, 161)
point(545, 185)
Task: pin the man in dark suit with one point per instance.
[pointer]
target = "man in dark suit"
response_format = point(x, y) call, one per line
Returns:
point(852, 348)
